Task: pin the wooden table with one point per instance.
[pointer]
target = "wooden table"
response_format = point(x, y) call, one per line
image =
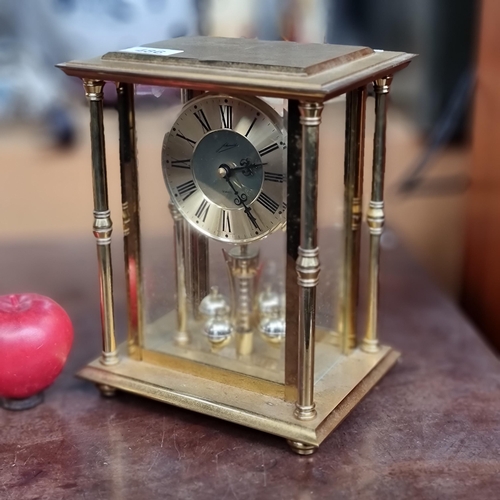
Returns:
point(431, 428)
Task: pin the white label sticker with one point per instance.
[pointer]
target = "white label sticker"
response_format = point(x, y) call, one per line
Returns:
point(152, 51)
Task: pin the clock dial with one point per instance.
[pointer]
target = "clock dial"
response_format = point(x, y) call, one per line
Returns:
point(224, 166)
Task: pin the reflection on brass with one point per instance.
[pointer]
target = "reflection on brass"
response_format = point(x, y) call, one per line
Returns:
point(244, 343)
point(246, 381)
point(353, 192)
point(243, 266)
point(182, 336)
point(214, 304)
point(272, 326)
point(103, 226)
point(219, 331)
point(130, 213)
point(188, 94)
point(375, 216)
point(308, 259)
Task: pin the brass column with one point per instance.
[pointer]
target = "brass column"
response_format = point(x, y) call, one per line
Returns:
point(182, 336)
point(198, 262)
point(308, 258)
point(102, 219)
point(130, 212)
point(294, 156)
point(353, 194)
point(375, 216)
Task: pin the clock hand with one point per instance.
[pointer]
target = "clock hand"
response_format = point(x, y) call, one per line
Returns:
point(245, 163)
point(240, 199)
point(247, 167)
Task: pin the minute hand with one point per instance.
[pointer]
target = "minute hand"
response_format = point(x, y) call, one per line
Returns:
point(247, 210)
point(250, 165)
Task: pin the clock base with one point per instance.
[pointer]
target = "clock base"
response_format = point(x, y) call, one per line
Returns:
point(336, 394)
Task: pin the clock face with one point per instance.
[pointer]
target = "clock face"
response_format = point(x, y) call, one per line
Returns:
point(224, 166)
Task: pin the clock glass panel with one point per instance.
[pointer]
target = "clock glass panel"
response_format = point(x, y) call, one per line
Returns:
point(223, 162)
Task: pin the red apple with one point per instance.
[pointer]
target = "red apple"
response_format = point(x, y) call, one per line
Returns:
point(36, 335)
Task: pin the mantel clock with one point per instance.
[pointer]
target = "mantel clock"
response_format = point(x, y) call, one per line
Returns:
point(253, 324)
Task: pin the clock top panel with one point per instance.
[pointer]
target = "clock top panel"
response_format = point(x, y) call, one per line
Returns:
point(272, 68)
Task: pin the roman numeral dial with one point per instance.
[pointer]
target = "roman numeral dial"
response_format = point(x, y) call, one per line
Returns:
point(224, 165)
point(202, 118)
point(226, 113)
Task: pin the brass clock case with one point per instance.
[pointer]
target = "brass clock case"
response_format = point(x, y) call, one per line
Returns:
point(318, 360)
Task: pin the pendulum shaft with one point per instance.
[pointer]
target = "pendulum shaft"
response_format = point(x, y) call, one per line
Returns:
point(102, 219)
point(182, 336)
point(130, 212)
point(307, 266)
point(243, 264)
point(197, 260)
point(197, 266)
point(375, 216)
point(353, 192)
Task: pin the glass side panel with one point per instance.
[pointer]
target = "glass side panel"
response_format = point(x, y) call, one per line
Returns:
point(330, 236)
point(239, 324)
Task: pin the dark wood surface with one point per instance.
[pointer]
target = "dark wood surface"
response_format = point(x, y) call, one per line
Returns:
point(430, 429)
point(481, 277)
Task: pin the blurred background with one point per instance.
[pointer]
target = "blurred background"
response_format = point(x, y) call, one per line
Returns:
point(442, 186)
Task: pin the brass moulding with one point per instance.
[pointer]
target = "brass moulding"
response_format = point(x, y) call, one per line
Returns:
point(383, 85)
point(375, 215)
point(93, 89)
point(102, 227)
point(308, 267)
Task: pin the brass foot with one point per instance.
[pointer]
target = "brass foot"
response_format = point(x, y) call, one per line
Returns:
point(302, 448)
point(106, 390)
